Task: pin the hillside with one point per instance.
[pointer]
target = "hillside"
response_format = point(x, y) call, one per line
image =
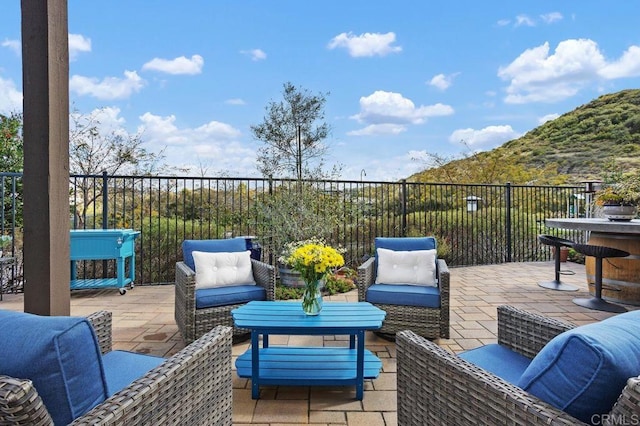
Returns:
point(578, 143)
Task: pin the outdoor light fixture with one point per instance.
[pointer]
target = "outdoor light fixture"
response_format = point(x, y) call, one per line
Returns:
point(472, 203)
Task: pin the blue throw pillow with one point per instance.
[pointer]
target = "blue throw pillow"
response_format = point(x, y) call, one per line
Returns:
point(583, 371)
point(60, 355)
point(229, 245)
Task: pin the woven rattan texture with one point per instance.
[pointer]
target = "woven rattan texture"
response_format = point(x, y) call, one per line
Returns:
point(101, 322)
point(20, 404)
point(193, 387)
point(437, 387)
point(193, 322)
point(431, 323)
point(626, 411)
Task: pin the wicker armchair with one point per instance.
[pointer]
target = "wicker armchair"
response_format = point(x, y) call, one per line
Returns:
point(194, 322)
point(429, 322)
point(192, 387)
point(437, 387)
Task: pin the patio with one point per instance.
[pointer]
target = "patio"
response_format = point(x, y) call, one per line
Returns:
point(143, 322)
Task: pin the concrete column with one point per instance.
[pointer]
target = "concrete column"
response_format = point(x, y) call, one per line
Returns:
point(45, 76)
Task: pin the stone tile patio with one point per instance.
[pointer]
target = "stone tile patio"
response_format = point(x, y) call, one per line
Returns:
point(143, 322)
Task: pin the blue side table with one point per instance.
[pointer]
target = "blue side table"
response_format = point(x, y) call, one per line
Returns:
point(308, 366)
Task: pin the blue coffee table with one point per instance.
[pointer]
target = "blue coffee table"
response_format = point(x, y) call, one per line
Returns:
point(308, 366)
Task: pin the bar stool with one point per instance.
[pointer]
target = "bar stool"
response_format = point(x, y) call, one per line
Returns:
point(599, 252)
point(556, 242)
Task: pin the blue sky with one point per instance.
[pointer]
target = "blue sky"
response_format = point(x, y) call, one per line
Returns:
point(405, 78)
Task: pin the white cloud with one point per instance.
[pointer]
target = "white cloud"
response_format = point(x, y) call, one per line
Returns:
point(235, 101)
point(10, 97)
point(627, 66)
point(379, 130)
point(179, 65)
point(109, 88)
point(550, 18)
point(387, 168)
point(442, 82)
point(489, 137)
point(548, 117)
point(537, 76)
point(524, 20)
point(14, 45)
point(192, 147)
point(255, 54)
point(389, 107)
point(78, 44)
point(107, 120)
point(367, 44)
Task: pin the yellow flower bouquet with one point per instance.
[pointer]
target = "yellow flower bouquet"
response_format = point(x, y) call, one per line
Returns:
point(314, 261)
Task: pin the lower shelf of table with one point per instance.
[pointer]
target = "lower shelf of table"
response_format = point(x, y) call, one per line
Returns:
point(308, 366)
point(97, 283)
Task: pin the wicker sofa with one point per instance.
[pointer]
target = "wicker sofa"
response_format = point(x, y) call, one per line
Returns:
point(437, 387)
point(193, 321)
point(430, 321)
point(192, 387)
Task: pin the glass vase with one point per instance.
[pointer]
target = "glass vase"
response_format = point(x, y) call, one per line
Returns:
point(312, 298)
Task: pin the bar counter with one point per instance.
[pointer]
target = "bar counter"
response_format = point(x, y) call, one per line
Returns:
point(620, 276)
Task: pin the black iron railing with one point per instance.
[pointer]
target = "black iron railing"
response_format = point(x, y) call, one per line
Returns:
point(474, 224)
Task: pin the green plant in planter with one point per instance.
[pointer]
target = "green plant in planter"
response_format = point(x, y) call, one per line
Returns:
point(615, 195)
point(295, 213)
point(620, 189)
point(341, 281)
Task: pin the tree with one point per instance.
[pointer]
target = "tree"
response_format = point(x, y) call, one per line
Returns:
point(292, 135)
point(11, 143)
point(96, 147)
point(11, 160)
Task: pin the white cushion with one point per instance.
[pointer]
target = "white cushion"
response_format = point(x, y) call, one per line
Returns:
point(222, 269)
point(406, 267)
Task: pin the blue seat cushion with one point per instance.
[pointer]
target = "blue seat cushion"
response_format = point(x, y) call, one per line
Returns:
point(121, 368)
point(499, 360)
point(404, 294)
point(583, 371)
point(229, 245)
point(60, 355)
point(231, 295)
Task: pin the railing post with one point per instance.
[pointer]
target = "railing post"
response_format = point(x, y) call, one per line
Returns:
point(105, 200)
point(105, 213)
point(270, 243)
point(404, 207)
point(507, 199)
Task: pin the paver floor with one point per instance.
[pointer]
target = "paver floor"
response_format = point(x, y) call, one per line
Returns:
point(143, 322)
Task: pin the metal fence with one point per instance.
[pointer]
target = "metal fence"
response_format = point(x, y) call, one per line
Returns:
point(474, 224)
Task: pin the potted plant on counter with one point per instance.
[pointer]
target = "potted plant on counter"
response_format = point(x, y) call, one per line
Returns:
point(619, 199)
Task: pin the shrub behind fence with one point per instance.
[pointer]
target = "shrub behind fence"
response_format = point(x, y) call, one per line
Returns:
point(474, 224)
